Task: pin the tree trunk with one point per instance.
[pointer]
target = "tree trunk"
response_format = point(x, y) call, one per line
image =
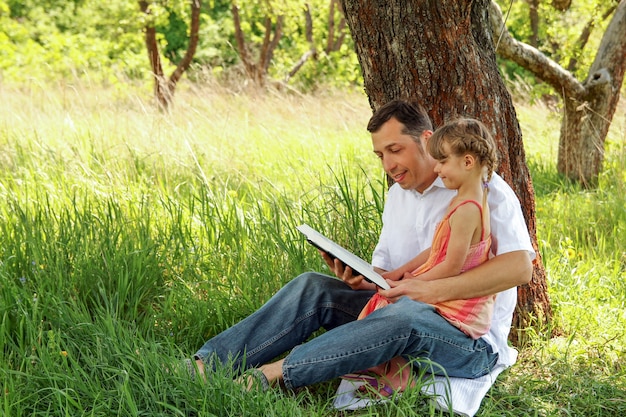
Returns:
point(441, 53)
point(257, 72)
point(332, 43)
point(163, 87)
point(588, 116)
point(161, 91)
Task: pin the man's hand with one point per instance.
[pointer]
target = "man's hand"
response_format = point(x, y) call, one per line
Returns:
point(415, 289)
point(356, 282)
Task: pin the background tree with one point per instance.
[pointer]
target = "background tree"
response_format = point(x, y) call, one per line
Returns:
point(441, 53)
point(334, 40)
point(164, 87)
point(589, 105)
point(316, 30)
point(272, 32)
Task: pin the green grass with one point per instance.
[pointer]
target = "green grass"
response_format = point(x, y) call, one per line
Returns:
point(128, 237)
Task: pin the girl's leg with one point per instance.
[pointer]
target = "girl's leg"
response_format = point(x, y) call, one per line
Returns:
point(395, 375)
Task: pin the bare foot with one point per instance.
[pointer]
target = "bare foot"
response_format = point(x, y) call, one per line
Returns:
point(394, 376)
point(200, 369)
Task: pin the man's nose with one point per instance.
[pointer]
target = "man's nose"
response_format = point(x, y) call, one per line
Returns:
point(389, 163)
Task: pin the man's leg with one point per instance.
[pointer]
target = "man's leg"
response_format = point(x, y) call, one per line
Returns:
point(407, 328)
point(307, 303)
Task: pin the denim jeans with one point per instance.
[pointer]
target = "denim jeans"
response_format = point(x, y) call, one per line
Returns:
point(314, 301)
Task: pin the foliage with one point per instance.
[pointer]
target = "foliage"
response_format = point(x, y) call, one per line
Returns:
point(558, 35)
point(96, 41)
point(128, 237)
point(102, 42)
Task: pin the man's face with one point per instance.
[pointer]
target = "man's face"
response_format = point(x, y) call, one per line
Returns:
point(402, 158)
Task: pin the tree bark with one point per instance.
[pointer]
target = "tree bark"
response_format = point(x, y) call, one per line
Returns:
point(163, 87)
point(440, 52)
point(589, 106)
point(257, 71)
point(588, 117)
point(312, 52)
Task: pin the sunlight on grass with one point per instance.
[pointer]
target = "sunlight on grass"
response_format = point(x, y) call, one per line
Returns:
point(128, 237)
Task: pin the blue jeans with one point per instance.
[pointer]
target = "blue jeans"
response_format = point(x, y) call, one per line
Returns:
point(314, 301)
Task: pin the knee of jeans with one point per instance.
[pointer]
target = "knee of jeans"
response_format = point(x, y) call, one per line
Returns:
point(311, 282)
point(404, 312)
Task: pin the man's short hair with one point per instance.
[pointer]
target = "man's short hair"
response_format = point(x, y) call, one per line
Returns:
point(410, 113)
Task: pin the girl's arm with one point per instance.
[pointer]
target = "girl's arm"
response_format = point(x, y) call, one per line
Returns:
point(408, 267)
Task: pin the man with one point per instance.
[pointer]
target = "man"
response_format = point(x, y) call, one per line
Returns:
point(408, 327)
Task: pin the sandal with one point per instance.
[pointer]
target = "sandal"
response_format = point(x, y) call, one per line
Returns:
point(375, 388)
point(191, 367)
point(371, 383)
point(253, 378)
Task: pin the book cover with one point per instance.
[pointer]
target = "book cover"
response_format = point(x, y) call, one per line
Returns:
point(334, 250)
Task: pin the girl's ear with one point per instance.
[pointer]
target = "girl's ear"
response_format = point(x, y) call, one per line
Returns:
point(469, 161)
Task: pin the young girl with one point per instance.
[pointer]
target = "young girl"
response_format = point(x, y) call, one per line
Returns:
point(466, 155)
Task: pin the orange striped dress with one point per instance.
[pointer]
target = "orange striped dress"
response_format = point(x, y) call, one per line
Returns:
point(472, 316)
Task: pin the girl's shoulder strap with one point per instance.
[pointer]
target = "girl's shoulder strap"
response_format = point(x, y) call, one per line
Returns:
point(480, 209)
point(476, 203)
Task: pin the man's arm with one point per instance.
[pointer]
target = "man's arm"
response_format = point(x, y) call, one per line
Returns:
point(498, 274)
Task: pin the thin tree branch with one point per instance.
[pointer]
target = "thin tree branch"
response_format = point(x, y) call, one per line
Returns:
point(194, 29)
point(584, 37)
point(530, 58)
point(241, 43)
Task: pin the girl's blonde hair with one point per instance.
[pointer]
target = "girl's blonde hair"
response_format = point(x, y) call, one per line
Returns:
point(465, 135)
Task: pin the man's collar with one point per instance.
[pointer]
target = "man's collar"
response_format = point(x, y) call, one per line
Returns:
point(438, 183)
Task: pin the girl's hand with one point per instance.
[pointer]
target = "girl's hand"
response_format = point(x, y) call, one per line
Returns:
point(394, 275)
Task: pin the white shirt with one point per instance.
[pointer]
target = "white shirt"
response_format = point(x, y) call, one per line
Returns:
point(409, 222)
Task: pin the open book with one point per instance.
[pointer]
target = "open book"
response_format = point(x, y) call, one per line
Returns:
point(358, 265)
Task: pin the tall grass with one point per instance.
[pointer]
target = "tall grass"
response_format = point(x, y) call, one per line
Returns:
point(128, 237)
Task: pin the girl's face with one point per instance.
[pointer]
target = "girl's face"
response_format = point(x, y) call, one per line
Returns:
point(453, 169)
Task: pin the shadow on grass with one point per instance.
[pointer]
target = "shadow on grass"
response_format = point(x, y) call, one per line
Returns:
point(563, 389)
point(547, 180)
